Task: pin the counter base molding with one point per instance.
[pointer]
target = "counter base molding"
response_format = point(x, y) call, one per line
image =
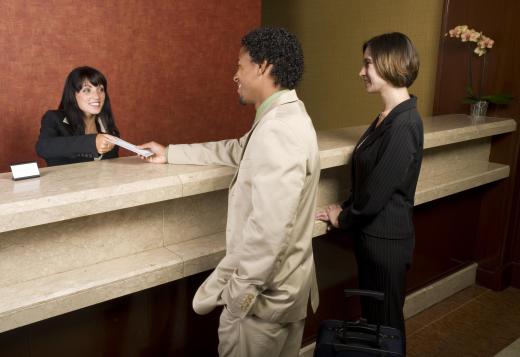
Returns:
point(442, 289)
point(67, 243)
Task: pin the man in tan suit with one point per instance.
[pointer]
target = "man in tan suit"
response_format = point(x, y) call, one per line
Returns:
point(265, 279)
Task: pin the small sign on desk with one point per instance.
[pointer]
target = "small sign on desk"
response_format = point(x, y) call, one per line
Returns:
point(25, 170)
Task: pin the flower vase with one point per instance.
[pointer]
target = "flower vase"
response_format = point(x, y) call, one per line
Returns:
point(479, 109)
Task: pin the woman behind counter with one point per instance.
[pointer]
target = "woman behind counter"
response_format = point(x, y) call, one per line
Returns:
point(385, 168)
point(77, 131)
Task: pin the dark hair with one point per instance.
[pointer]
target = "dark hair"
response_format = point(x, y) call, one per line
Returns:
point(68, 104)
point(395, 58)
point(280, 48)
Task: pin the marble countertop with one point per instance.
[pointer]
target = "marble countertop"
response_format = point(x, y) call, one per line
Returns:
point(71, 191)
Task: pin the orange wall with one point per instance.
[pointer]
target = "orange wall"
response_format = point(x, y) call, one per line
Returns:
point(169, 66)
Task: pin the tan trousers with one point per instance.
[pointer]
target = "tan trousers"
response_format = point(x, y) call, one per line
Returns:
point(253, 337)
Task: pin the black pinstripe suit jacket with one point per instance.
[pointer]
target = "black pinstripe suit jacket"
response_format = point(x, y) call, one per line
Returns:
point(385, 168)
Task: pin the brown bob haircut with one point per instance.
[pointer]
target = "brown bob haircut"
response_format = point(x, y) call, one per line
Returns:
point(394, 57)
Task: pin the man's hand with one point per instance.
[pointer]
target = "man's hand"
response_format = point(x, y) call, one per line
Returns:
point(159, 152)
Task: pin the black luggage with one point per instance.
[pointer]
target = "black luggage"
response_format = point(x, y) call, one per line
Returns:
point(347, 339)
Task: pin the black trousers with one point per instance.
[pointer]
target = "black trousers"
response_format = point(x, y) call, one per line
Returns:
point(382, 266)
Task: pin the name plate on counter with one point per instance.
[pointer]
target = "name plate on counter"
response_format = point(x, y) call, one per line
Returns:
point(25, 170)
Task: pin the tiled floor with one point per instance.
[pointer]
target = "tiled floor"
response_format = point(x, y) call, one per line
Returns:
point(476, 322)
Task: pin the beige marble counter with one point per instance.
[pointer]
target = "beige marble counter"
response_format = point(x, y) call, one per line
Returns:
point(71, 191)
point(86, 233)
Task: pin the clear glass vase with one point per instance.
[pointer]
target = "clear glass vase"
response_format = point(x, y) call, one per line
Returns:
point(479, 109)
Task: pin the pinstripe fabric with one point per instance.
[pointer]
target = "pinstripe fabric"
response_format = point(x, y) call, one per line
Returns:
point(382, 265)
point(385, 168)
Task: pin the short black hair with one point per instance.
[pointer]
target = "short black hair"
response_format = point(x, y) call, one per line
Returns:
point(280, 48)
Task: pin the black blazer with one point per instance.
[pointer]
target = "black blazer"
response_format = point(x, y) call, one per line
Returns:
point(58, 145)
point(385, 168)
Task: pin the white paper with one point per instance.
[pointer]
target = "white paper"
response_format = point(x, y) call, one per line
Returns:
point(125, 144)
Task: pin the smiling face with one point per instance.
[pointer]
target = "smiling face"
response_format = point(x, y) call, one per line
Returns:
point(247, 78)
point(372, 80)
point(90, 98)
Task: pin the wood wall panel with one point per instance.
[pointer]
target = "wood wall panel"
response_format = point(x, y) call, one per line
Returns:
point(496, 19)
point(169, 65)
point(497, 248)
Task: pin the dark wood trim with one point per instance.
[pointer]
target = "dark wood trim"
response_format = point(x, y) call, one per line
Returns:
point(514, 226)
point(493, 249)
point(498, 279)
point(440, 57)
point(515, 278)
point(497, 248)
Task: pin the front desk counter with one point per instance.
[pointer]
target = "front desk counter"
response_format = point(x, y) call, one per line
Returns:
point(86, 233)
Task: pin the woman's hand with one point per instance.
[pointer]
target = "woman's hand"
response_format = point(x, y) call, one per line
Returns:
point(104, 143)
point(322, 216)
point(159, 156)
point(333, 212)
point(330, 215)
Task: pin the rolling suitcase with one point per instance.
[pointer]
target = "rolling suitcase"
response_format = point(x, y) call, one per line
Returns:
point(347, 338)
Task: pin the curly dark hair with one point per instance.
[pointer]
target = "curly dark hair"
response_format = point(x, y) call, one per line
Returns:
point(280, 48)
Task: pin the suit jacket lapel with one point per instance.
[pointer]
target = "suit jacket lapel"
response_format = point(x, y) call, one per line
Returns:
point(283, 99)
point(387, 123)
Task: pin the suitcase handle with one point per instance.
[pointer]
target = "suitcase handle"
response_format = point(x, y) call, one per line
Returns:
point(368, 293)
point(365, 350)
point(371, 294)
point(357, 327)
point(372, 342)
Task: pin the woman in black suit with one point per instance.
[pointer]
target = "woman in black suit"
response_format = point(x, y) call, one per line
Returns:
point(385, 167)
point(80, 130)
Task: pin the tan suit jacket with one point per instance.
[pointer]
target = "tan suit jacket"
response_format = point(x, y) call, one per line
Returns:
point(268, 270)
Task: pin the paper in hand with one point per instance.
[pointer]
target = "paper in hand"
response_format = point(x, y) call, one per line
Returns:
point(125, 144)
